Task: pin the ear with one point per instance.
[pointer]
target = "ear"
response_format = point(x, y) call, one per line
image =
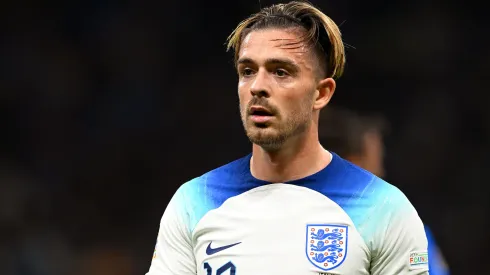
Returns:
point(324, 92)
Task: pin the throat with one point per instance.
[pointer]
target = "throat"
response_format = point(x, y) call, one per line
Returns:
point(280, 167)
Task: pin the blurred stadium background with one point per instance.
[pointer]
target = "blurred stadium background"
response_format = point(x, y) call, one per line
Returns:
point(108, 106)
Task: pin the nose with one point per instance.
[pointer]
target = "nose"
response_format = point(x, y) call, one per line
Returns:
point(260, 86)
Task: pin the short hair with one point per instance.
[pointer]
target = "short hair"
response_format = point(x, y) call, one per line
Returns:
point(320, 32)
point(342, 130)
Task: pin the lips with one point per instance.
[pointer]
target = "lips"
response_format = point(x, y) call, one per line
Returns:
point(259, 111)
point(260, 115)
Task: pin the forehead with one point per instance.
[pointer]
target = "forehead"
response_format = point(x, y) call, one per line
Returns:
point(261, 45)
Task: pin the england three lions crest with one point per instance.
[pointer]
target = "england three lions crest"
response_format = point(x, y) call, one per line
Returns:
point(326, 245)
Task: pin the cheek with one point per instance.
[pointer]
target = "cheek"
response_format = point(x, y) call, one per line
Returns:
point(297, 102)
point(289, 107)
point(243, 88)
point(243, 97)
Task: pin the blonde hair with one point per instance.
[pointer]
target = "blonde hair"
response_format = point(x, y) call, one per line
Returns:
point(320, 31)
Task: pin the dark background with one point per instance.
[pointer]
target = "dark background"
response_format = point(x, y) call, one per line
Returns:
point(108, 106)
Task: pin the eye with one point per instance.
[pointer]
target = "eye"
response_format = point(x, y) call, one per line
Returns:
point(246, 72)
point(281, 73)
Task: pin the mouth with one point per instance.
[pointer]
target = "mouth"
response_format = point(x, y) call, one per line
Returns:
point(260, 111)
point(260, 115)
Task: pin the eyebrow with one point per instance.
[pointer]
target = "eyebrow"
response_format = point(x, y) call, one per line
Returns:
point(271, 61)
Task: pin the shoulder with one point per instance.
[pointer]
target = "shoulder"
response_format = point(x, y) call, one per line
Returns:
point(209, 191)
point(385, 213)
point(372, 203)
point(383, 201)
point(374, 191)
point(356, 189)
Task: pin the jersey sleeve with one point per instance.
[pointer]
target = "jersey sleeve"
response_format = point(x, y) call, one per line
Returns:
point(173, 253)
point(402, 245)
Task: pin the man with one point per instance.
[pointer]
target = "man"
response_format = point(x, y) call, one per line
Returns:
point(290, 207)
point(359, 139)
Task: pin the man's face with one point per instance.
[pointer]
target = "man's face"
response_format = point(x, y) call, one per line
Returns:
point(278, 81)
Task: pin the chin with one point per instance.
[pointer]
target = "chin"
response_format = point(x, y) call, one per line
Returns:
point(268, 145)
point(265, 138)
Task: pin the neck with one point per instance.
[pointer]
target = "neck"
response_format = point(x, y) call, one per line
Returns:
point(299, 157)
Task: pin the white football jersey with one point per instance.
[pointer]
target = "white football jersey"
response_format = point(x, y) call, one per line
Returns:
point(341, 220)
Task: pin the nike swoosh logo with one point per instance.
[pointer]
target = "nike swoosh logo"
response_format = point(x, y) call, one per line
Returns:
point(211, 251)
